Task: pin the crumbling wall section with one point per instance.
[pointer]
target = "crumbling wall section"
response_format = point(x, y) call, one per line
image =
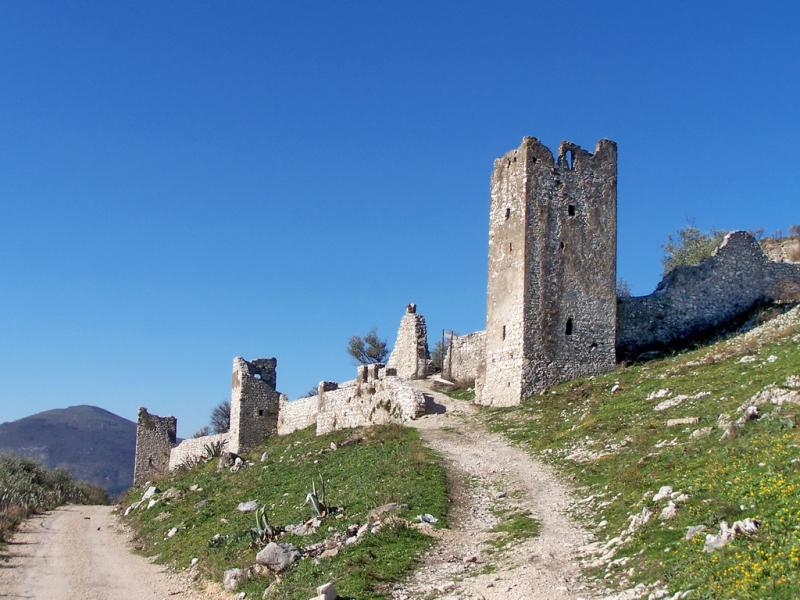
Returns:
point(255, 403)
point(691, 302)
point(464, 358)
point(374, 398)
point(195, 448)
point(410, 356)
point(551, 297)
point(297, 414)
point(155, 438)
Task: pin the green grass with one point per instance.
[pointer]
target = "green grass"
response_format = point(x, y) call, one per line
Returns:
point(514, 527)
point(466, 394)
point(754, 475)
point(390, 465)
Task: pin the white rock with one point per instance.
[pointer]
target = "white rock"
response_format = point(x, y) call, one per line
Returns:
point(772, 358)
point(663, 492)
point(683, 421)
point(693, 530)
point(152, 503)
point(264, 456)
point(246, 507)
point(172, 532)
point(232, 578)
point(670, 511)
point(615, 388)
point(637, 520)
point(702, 432)
point(151, 491)
point(663, 393)
point(195, 561)
point(671, 402)
point(326, 592)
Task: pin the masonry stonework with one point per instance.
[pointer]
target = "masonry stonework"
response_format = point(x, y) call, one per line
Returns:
point(693, 301)
point(155, 438)
point(465, 356)
point(551, 298)
point(410, 356)
point(254, 403)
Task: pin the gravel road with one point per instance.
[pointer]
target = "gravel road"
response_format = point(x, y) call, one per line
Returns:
point(81, 553)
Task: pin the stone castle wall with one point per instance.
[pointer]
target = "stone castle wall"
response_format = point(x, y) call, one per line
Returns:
point(551, 298)
point(297, 414)
point(466, 355)
point(194, 448)
point(155, 438)
point(692, 301)
point(254, 403)
point(410, 356)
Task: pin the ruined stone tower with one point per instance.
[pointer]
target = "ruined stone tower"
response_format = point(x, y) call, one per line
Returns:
point(551, 301)
point(155, 438)
point(254, 403)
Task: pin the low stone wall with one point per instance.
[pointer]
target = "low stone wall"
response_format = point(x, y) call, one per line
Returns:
point(378, 400)
point(691, 302)
point(193, 448)
point(465, 357)
point(297, 414)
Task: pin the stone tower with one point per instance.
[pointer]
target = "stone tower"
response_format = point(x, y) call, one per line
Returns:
point(155, 438)
point(551, 301)
point(254, 403)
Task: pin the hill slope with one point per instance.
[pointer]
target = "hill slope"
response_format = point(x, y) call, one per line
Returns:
point(91, 443)
point(704, 439)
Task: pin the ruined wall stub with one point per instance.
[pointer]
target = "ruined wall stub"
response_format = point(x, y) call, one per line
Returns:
point(551, 298)
point(155, 438)
point(254, 403)
point(692, 302)
point(410, 357)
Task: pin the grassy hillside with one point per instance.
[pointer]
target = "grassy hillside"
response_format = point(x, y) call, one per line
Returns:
point(389, 465)
point(91, 443)
point(610, 434)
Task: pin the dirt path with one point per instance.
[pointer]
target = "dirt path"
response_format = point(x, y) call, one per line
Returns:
point(81, 553)
point(489, 476)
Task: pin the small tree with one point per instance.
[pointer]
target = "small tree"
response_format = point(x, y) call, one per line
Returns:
point(368, 349)
point(794, 231)
point(690, 246)
point(202, 432)
point(221, 417)
point(623, 288)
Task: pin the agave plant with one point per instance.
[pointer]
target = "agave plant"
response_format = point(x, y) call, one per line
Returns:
point(214, 449)
point(317, 498)
point(263, 532)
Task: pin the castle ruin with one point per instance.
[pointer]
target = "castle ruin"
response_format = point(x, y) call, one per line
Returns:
point(552, 313)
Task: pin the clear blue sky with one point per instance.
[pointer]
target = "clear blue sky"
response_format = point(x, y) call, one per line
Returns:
point(184, 182)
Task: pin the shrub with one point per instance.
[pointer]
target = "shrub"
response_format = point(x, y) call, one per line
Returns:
point(690, 246)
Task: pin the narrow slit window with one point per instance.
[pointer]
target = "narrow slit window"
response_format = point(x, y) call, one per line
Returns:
point(571, 210)
point(510, 247)
point(569, 326)
point(508, 213)
point(504, 332)
point(260, 412)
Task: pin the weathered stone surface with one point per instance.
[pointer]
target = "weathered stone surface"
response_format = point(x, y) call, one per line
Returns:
point(254, 403)
point(410, 357)
point(155, 438)
point(232, 579)
point(465, 358)
point(249, 506)
point(693, 301)
point(551, 302)
point(278, 557)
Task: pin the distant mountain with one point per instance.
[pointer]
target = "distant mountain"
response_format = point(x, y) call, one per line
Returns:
point(91, 443)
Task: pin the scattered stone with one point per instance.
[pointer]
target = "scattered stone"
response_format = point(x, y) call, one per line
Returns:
point(172, 532)
point(326, 592)
point(747, 359)
point(793, 381)
point(702, 432)
point(264, 456)
point(278, 557)
point(152, 503)
point(132, 507)
point(615, 388)
point(693, 530)
point(151, 491)
point(726, 534)
point(201, 504)
point(171, 494)
point(683, 421)
point(163, 516)
point(232, 579)
point(772, 358)
point(728, 433)
point(671, 402)
point(194, 562)
point(670, 511)
point(246, 507)
point(427, 518)
point(663, 492)
point(663, 393)
point(334, 446)
point(637, 520)
point(194, 487)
